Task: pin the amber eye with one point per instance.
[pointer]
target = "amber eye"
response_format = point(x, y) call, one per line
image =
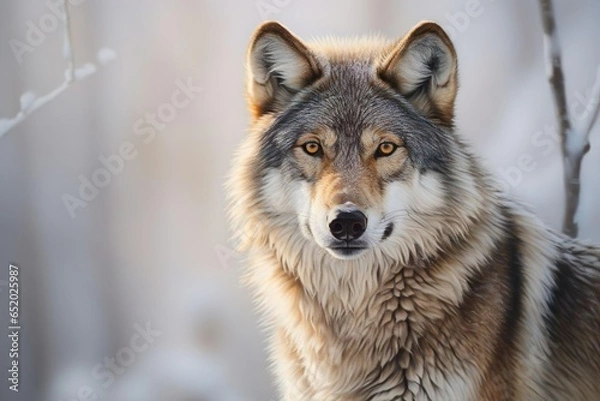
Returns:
point(385, 149)
point(312, 148)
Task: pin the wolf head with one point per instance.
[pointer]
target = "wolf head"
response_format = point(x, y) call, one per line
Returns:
point(352, 147)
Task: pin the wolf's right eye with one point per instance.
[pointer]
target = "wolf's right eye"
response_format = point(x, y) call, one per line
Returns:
point(312, 148)
point(385, 149)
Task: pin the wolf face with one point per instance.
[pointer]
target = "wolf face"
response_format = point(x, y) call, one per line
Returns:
point(357, 147)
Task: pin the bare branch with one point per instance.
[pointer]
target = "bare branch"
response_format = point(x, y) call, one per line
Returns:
point(554, 68)
point(574, 145)
point(68, 43)
point(593, 107)
point(28, 101)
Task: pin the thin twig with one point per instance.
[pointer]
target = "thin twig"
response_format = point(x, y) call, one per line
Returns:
point(573, 144)
point(68, 52)
point(593, 107)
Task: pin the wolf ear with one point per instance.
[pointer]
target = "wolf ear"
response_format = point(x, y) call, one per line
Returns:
point(423, 68)
point(279, 65)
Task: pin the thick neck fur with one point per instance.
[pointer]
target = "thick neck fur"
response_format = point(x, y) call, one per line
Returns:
point(326, 308)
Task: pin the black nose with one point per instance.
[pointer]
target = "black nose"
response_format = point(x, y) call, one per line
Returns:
point(348, 225)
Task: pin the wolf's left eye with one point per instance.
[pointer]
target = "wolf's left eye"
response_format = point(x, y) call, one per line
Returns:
point(385, 149)
point(312, 148)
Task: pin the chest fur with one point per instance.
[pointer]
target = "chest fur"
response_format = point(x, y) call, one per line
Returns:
point(403, 341)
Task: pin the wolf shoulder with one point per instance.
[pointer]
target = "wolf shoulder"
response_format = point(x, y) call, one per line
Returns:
point(572, 322)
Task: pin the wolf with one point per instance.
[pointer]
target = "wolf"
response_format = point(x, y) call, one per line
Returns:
point(387, 263)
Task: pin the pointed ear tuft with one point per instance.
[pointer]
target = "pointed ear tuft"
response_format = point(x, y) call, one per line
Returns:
point(279, 65)
point(422, 66)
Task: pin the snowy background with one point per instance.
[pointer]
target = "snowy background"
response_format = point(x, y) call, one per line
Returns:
point(151, 245)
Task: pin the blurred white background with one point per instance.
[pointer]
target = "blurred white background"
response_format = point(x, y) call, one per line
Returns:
point(151, 247)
